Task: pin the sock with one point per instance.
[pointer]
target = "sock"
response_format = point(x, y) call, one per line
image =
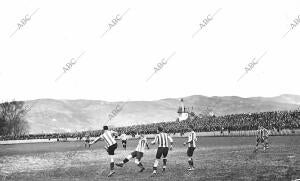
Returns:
point(164, 162)
point(154, 169)
point(155, 166)
point(112, 164)
point(140, 165)
point(192, 162)
point(125, 160)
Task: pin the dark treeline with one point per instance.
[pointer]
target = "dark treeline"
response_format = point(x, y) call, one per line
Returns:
point(12, 119)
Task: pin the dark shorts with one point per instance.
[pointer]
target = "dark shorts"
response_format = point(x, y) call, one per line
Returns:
point(190, 151)
point(138, 155)
point(87, 141)
point(111, 149)
point(162, 151)
point(124, 142)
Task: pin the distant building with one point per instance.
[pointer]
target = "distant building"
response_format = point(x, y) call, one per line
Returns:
point(182, 112)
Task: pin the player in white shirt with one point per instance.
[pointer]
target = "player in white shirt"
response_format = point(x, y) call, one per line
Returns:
point(191, 147)
point(137, 154)
point(162, 139)
point(109, 137)
point(124, 140)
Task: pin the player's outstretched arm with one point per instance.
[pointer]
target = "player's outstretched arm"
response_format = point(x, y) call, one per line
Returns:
point(95, 141)
point(155, 140)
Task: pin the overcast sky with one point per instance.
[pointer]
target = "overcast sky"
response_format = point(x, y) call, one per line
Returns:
point(115, 63)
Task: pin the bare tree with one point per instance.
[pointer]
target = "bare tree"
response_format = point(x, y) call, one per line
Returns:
point(2, 125)
point(12, 118)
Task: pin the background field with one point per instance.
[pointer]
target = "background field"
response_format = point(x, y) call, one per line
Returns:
point(216, 158)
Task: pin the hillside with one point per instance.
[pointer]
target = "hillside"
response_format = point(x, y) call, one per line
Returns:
point(49, 115)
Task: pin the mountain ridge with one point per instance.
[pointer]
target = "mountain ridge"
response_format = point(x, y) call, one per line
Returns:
point(53, 115)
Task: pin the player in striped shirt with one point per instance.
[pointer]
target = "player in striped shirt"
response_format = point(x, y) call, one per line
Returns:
point(262, 137)
point(137, 154)
point(162, 139)
point(108, 137)
point(192, 138)
point(124, 140)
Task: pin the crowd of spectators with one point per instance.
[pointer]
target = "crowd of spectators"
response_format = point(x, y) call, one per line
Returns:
point(57, 136)
point(235, 122)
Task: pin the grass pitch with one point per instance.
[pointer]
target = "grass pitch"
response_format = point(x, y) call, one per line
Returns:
point(215, 158)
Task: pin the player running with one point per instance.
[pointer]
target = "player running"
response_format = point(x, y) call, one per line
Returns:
point(262, 137)
point(162, 139)
point(124, 140)
point(192, 138)
point(108, 137)
point(137, 154)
